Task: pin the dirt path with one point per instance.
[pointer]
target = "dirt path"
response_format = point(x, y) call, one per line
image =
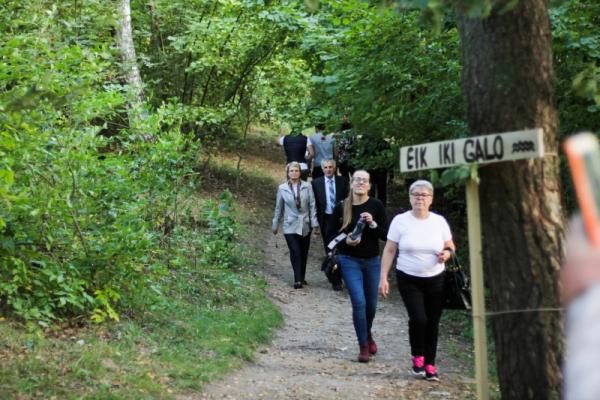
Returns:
point(314, 355)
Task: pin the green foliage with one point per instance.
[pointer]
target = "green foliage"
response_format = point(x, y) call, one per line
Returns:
point(91, 217)
point(576, 57)
point(154, 356)
point(576, 47)
point(456, 175)
point(393, 94)
point(79, 231)
point(220, 58)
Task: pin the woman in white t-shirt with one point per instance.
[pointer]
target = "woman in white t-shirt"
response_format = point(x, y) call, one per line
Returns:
point(423, 242)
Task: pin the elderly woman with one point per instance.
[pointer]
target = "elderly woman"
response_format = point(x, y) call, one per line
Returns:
point(296, 201)
point(423, 242)
point(359, 256)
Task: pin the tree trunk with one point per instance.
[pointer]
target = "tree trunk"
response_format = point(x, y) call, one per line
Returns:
point(508, 85)
point(129, 64)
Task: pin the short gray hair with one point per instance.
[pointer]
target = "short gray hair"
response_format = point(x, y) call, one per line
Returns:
point(327, 160)
point(421, 183)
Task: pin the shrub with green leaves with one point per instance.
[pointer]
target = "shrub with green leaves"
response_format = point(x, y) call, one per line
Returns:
point(79, 206)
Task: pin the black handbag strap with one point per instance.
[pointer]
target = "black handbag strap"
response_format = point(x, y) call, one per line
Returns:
point(453, 263)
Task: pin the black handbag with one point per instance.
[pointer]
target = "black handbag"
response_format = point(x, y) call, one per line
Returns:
point(458, 289)
point(331, 268)
point(330, 265)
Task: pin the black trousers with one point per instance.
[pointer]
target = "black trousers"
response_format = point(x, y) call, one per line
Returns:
point(346, 169)
point(379, 184)
point(328, 232)
point(317, 171)
point(424, 300)
point(304, 174)
point(298, 246)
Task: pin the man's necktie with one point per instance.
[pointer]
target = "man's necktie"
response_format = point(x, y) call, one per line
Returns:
point(331, 190)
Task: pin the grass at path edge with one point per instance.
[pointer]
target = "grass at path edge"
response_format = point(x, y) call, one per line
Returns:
point(158, 354)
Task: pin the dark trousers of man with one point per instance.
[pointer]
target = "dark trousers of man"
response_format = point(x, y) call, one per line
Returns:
point(327, 230)
point(304, 174)
point(317, 172)
point(424, 300)
point(379, 184)
point(345, 169)
point(298, 246)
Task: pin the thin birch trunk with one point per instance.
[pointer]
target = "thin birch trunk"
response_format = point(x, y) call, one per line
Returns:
point(129, 64)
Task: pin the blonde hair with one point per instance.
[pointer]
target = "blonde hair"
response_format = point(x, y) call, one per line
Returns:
point(347, 214)
point(290, 165)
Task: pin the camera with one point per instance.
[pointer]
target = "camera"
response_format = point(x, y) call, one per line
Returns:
point(358, 229)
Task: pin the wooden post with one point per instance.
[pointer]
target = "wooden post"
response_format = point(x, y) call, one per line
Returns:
point(508, 146)
point(477, 290)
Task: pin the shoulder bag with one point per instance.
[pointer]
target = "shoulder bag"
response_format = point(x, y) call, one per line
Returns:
point(458, 289)
point(330, 265)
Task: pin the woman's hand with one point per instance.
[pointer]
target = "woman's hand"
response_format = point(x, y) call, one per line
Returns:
point(275, 231)
point(581, 267)
point(444, 255)
point(384, 288)
point(351, 242)
point(367, 217)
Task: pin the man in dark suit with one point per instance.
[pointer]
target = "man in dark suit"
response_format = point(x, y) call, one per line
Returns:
point(329, 190)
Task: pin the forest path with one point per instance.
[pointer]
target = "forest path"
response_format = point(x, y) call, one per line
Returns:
point(313, 356)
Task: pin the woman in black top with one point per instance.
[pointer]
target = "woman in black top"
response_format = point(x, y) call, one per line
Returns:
point(359, 256)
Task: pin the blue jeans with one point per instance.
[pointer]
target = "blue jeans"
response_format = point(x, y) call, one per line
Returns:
point(361, 276)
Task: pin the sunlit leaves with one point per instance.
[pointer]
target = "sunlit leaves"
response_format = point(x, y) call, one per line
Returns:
point(397, 81)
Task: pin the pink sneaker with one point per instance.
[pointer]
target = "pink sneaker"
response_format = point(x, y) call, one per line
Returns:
point(418, 368)
point(431, 373)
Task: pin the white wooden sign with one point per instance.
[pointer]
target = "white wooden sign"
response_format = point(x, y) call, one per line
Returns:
point(473, 150)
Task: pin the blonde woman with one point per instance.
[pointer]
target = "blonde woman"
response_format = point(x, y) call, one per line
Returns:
point(359, 256)
point(296, 203)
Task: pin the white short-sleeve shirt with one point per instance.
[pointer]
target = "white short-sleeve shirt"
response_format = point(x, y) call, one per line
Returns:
point(419, 241)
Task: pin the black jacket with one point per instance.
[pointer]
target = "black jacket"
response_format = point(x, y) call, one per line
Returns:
point(320, 188)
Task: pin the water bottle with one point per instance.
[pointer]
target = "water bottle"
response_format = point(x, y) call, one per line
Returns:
point(358, 229)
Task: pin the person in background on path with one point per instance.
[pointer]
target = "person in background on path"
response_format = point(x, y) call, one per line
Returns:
point(329, 190)
point(343, 142)
point(379, 190)
point(359, 256)
point(378, 150)
point(296, 147)
point(580, 278)
point(320, 146)
point(296, 203)
point(423, 242)
point(374, 151)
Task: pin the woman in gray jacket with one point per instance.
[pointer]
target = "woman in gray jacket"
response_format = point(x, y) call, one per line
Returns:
point(296, 201)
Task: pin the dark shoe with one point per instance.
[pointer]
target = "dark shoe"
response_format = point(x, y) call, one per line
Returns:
point(337, 287)
point(304, 283)
point(372, 345)
point(431, 373)
point(298, 285)
point(363, 356)
point(418, 367)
